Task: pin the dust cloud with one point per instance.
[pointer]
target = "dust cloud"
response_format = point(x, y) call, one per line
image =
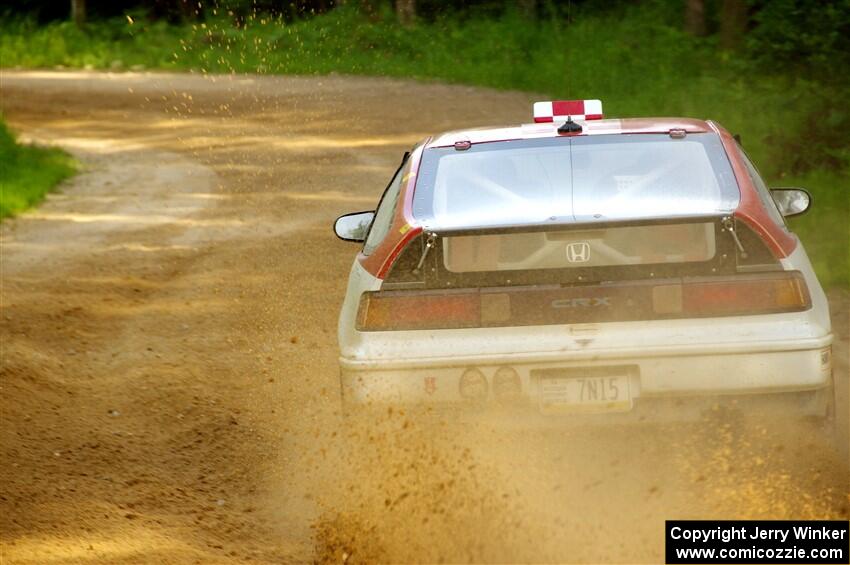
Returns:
point(414, 488)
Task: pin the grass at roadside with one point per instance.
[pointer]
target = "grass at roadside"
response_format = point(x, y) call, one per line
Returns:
point(28, 172)
point(634, 58)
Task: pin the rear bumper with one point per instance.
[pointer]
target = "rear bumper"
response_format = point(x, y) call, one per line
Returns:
point(653, 372)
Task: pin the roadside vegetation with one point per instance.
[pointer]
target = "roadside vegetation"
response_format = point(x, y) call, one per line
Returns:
point(779, 85)
point(28, 172)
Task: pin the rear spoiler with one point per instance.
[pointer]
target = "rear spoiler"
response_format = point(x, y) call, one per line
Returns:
point(421, 265)
point(564, 225)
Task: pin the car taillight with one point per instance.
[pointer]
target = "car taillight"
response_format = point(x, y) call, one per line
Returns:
point(746, 294)
point(695, 297)
point(407, 311)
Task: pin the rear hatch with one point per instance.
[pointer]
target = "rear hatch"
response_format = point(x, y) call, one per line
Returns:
point(575, 230)
point(626, 271)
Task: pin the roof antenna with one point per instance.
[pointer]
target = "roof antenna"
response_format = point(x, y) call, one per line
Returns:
point(569, 126)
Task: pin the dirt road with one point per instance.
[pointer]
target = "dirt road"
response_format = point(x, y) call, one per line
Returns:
point(169, 386)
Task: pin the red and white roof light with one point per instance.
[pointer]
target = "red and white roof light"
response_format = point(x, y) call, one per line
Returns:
point(562, 110)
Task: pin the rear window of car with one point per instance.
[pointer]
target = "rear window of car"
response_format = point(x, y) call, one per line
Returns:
point(574, 179)
point(580, 248)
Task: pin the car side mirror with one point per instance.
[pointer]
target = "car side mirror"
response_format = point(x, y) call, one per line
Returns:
point(353, 227)
point(791, 201)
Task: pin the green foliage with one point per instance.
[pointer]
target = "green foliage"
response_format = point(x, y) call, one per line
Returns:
point(635, 58)
point(811, 40)
point(28, 172)
point(809, 43)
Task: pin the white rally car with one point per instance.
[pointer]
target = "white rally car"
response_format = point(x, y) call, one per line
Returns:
point(581, 264)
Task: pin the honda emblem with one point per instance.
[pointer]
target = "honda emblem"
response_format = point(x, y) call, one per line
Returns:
point(578, 252)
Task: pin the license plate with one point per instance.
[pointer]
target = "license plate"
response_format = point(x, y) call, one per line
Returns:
point(585, 394)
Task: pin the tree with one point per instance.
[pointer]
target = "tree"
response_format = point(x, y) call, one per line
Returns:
point(733, 22)
point(78, 12)
point(405, 11)
point(370, 9)
point(176, 11)
point(695, 17)
point(528, 8)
